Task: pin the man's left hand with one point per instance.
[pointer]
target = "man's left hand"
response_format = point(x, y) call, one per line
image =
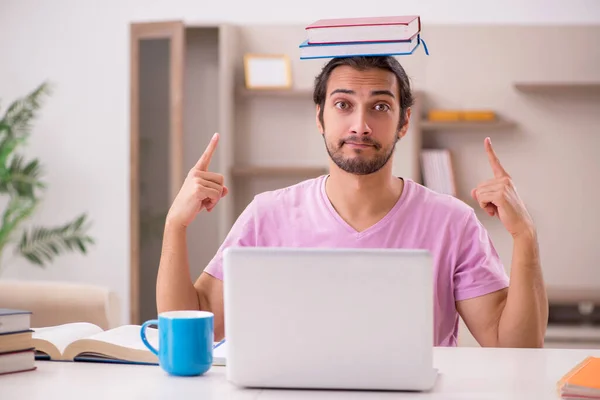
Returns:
point(498, 196)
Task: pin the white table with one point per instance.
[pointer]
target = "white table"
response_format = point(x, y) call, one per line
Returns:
point(465, 373)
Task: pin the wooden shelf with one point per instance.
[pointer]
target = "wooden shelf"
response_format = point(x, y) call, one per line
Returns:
point(466, 125)
point(558, 87)
point(277, 171)
point(293, 93)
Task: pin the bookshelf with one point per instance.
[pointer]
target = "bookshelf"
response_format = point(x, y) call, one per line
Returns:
point(302, 93)
point(467, 126)
point(443, 153)
point(591, 87)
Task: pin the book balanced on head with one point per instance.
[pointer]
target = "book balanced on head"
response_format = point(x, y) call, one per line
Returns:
point(363, 36)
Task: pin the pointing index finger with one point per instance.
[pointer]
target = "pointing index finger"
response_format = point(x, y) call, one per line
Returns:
point(494, 161)
point(204, 160)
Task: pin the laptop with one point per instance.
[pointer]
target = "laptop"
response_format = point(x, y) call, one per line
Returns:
point(345, 319)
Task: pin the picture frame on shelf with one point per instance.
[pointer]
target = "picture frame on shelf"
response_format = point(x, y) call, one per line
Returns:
point(267, 71)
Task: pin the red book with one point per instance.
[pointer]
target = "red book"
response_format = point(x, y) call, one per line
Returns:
point(363, 29)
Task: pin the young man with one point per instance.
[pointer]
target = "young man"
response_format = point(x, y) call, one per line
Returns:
point(362, 111)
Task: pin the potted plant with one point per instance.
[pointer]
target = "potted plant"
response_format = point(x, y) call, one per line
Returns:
point(22, 185)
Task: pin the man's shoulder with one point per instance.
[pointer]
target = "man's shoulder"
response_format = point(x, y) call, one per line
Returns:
point(429, 201)
point(292, 194)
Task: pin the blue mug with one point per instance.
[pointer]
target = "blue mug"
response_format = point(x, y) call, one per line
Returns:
point(185, 341)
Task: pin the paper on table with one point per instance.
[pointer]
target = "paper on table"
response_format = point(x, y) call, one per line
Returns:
point(220, 354)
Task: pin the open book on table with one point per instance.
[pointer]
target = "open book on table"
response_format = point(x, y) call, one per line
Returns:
point(82, 341)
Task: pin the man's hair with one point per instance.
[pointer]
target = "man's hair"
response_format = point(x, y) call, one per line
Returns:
point(362, 63)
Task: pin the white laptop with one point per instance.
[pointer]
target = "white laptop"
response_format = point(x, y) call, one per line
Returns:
point(309, 318)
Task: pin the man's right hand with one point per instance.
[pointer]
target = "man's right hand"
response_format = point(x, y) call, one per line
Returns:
point(201, 190)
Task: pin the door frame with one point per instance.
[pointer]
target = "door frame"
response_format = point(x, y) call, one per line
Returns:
point(174, 31)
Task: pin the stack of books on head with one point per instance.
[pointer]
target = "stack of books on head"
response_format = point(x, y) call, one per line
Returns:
point(17, 353)
point(368, 36)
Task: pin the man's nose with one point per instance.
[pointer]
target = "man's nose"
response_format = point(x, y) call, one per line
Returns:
point(359, 123)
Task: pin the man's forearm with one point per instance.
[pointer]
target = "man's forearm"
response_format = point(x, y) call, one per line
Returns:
point(174, 287)
point(524, 319)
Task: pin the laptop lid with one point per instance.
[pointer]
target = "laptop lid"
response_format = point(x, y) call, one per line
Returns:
point(329, 318)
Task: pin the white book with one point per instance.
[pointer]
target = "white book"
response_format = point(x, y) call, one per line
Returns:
point(363, 29)
point(438, 174)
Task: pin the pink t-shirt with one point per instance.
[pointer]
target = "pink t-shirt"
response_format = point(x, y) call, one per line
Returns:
point(466, 263)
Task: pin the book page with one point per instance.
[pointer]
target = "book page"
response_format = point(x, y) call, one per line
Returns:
point(62, 335)
point(128, 336)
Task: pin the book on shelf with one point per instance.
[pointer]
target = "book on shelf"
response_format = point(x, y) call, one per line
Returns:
point(442, 115)
point(16, 347)
point(366, 36)
point(84, 341)
point(582, 381)
point(437, 170)
point(363, 29)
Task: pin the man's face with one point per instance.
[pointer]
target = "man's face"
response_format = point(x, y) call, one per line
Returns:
point(361, 117)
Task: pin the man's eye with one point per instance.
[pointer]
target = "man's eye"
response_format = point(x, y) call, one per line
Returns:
point(382, 107)
point(342, 105)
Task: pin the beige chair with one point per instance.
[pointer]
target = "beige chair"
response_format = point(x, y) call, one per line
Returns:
point(54, 303)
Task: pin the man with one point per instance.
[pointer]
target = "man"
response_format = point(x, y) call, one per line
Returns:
point(362, 110)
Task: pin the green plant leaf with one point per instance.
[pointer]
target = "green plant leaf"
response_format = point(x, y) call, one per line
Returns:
point(41, 245)
point(17, 211)
point(22, 178)
point(17, 121)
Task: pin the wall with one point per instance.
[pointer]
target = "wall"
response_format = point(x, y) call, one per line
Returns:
point(82, 136)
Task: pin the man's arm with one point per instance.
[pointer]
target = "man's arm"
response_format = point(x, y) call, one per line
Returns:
point(525, 315)
point(210, 296)
point(517, 316)
point(513, 317)
point(201, 190)
point(174, 288)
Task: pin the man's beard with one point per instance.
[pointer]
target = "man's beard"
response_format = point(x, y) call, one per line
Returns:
point(359, 166)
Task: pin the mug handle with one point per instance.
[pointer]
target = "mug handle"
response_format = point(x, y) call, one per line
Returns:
point(143, 335)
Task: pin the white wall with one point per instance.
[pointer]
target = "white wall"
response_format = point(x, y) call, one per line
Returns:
point(82, 136)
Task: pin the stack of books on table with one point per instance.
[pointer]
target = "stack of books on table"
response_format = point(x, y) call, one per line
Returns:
point(17, 353)
point(367, 36)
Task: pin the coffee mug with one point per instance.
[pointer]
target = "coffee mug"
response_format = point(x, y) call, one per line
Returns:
point(185, 341)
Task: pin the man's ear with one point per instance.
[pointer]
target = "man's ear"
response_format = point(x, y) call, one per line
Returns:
point(319, 125)
point(404, 128)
